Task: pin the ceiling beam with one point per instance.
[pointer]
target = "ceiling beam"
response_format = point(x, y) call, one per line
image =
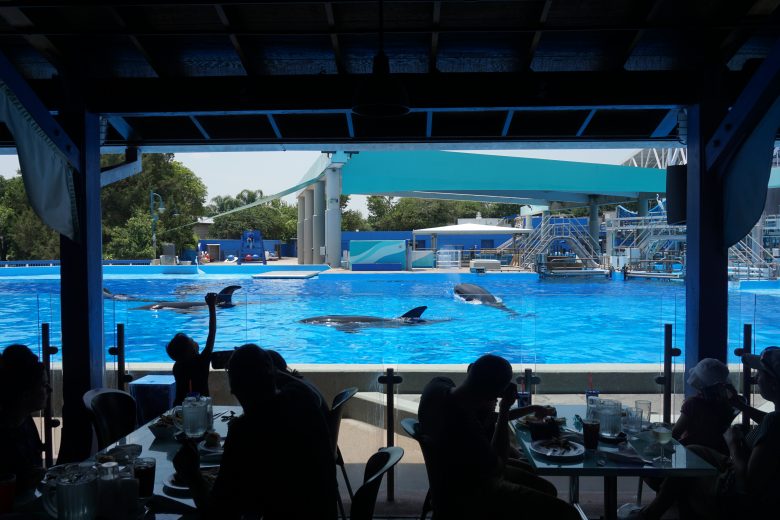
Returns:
point(225, 20)
point(334, 39)
point(438, 93)
point(123, 128)
point(650, 18)
point(274, 126)
point(586, 122)
point(434, 52)
point(667, 124)
point(507, 122)
point(16, 18)
point(158, 69)
point(536, 38)
point(200, 128)
point(759, 11)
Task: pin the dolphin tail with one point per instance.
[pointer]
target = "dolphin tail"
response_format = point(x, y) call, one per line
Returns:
point(415, 313)
point(107, 293)
point(225, 296)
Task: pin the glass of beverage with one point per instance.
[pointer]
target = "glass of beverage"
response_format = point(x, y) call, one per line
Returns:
point(632, 422)
point(590, 433)
point(7, 492)
point(144, 468)
point(193, 412)
point(646, 407)
point(608, 415)
point(662, 433)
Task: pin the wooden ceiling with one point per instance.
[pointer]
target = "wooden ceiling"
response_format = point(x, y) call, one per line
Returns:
point(283, 75)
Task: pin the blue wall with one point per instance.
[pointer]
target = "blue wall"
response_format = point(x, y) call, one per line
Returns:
point(230, 246)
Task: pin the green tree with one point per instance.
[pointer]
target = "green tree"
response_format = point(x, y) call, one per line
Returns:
point(130, 240)
point(275, 219)
point(24, 235)
point(352, 220)
point(182, 192)
point(379, 208)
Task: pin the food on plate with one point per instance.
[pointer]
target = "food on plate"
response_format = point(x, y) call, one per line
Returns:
point(164, 421)
point(212, 440)
point(557, 443)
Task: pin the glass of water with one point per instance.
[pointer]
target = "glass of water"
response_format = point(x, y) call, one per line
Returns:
point(193, 411)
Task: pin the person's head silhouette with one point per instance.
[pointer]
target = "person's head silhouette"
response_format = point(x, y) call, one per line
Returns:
point(182, 347)
point(23, 381)
point(252, 375)
point(487, 378)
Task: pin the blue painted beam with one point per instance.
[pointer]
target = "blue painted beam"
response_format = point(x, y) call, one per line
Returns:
point(38, 111)
point(350, 124)
point(586, 122)
point(124, 129)
point(706, 279)
point(667, 124)
point(130, 167)
point(81, 286)
point(755, 99)
point(200, 128)
point(274, 126)
point(507, 123)
point(428, 124)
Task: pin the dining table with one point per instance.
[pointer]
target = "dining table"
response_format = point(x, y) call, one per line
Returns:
point(167, 499)
point(604, 463)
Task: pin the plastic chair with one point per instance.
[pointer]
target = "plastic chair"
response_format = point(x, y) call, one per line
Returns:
point(113, 414)
point(412, 429)
point(365, 497)
point(334, 424)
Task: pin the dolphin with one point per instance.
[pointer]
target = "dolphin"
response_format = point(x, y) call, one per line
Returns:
point(224, 299)
point(355, 323)
point(117, 296)
point(474, 293)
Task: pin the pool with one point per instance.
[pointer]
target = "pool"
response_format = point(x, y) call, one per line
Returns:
point(557, 321)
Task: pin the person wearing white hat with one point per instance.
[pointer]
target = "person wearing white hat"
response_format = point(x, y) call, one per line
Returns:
point(749, 476)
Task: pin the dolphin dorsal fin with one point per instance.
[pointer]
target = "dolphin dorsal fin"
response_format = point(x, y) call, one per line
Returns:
point(225, 296)
point(415, 313)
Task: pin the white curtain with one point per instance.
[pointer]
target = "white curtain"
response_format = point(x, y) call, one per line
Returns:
point(47, 174)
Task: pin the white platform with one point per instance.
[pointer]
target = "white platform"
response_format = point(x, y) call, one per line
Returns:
point(286, 274)
point(488, 265)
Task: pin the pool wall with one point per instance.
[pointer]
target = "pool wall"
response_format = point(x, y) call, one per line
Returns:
point(332, 378)
point(144, 270)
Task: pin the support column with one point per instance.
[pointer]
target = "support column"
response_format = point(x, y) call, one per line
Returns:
point(300, 232)
point(706, 280)
point(333, 217)
point(594, 224)
point(81, 293)
point(318, 222)
point(308, 228)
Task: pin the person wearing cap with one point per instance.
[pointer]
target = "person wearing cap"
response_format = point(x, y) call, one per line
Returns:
point(706, 416)
point(748, 477)
point(467, 463)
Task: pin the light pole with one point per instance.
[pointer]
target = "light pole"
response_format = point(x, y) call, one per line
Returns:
point(156, 206)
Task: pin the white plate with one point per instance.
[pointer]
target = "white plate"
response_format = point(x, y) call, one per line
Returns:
point(575, 450)
point(173, 488)
point(209, 449)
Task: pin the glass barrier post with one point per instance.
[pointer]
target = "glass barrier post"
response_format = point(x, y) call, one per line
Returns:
point(390, 379)
point(666, 379)
point(48, 422)
point(122, 376)
point(747, 373)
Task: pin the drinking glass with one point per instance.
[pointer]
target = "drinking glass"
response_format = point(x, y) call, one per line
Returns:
point(662, 433)
point(593, 404)
point(632, 422)
point(193, 412)
point(646, 407)
point(590, 434)
point(609, 416)
point(143, 469)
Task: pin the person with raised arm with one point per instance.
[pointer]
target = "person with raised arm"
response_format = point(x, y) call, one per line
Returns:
point(191, 367)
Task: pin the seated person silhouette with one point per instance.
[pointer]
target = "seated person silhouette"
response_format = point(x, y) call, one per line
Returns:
point(23, 390)
point(285, 374)
point(277, 461)
point(748, 477)
point(470, 477)
point(191, 368)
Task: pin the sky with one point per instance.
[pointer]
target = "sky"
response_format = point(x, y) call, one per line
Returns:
point(227, 173)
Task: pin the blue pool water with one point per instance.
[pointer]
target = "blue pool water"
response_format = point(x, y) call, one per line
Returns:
point(558, 321)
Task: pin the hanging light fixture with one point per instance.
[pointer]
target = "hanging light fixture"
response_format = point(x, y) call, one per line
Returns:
point(381, 95)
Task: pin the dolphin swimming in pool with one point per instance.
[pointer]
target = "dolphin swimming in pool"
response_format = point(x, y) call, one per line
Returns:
point(117, 296)
point(224, 299)
point(355, 323)
point(474, 293)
